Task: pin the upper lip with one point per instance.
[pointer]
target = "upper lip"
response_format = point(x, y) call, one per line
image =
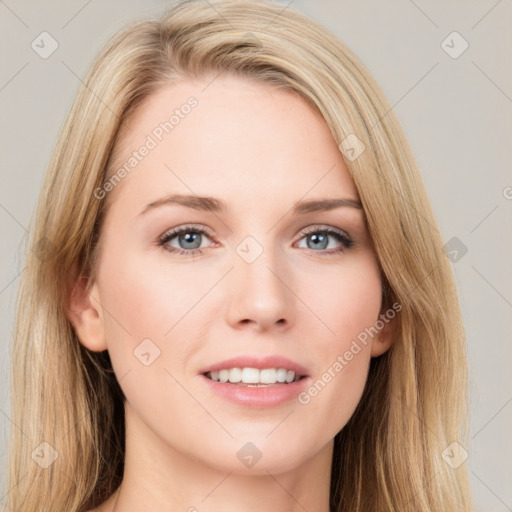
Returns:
point(259, 362)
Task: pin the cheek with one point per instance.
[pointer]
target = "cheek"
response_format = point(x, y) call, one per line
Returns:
point(145, 300)
point(346, 299)
point(348, 310)
point(148, 319)
point(155, 322)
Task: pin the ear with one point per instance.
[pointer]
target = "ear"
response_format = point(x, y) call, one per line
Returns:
point(85, 313)
point(386, 335)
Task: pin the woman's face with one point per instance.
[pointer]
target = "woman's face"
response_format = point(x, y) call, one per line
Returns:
point(260, 273)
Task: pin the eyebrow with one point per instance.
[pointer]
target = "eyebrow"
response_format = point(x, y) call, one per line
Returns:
point(212, 204)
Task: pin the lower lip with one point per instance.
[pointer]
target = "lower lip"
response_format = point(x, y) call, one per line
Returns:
point(258, 397)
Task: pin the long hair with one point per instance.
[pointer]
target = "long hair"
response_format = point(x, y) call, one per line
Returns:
point(389, 456)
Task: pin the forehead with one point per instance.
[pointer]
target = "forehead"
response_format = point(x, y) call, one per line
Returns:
point(232, 138)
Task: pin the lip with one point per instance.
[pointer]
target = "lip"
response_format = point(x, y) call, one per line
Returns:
point(257, 362)
point(257, 397)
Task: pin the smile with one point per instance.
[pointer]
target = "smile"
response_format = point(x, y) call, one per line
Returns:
point(254, 376)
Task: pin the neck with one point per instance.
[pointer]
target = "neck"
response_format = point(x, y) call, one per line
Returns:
point(160, 477)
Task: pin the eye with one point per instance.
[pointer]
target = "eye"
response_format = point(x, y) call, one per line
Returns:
point(188, 240)
point(317, 239)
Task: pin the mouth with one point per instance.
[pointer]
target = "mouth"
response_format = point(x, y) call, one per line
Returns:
point(255, 377)
point(250, 380)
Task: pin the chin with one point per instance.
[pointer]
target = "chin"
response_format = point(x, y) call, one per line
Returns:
point(275, 454)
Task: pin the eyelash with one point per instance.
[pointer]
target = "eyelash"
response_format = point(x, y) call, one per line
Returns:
point(345, 240)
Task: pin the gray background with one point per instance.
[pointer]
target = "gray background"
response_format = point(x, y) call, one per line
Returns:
point(456, 113)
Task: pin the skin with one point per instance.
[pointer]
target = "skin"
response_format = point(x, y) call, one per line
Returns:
point(259, 150)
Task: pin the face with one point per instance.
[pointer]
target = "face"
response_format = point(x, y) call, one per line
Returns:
point(258, 275)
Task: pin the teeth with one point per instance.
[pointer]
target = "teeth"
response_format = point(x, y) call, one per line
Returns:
point(235, 375)
point(254, 375)
point(281, 375)
point(249, 375)
point(290, 376)
point(268, 376)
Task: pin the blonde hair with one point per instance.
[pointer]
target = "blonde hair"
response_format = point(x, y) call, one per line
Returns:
point(389, 455)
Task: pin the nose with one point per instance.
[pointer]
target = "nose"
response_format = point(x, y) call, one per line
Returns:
point(260, 293)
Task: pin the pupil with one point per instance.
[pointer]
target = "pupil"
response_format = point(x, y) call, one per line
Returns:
point(191, 238)
point(319, 240)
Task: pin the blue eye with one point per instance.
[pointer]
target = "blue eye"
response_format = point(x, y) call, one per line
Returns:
point(318, 238)
point(189, 237)
point(189, 240)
